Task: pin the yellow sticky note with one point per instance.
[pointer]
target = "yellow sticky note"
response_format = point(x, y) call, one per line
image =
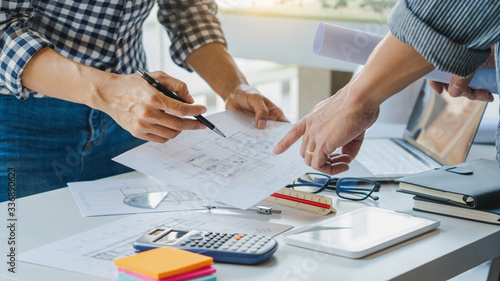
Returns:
point(163, 262)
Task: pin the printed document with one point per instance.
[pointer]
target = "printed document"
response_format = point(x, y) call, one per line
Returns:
point(239, 170)
point(105, 197)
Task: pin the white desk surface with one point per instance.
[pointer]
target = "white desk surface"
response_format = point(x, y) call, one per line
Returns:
point(456, 246)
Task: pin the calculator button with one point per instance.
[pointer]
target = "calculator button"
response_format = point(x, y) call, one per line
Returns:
point(196, 237)
point(268, 246)
point(253, 250)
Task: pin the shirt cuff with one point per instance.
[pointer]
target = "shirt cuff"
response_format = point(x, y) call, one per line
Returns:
point(18, 47)
point(433, 46)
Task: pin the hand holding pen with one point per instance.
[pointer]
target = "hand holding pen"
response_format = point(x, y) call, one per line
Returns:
point(144, 111)
point(172, 95)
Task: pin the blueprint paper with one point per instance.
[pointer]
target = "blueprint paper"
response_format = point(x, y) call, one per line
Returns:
point(355, 46)
point(105, 197)
point(92, 252)
point(239, 170)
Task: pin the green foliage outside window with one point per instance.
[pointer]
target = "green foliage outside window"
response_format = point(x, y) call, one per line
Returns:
point(375, 5)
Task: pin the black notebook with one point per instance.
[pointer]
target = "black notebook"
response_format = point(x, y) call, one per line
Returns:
point(474, 184)
point(489, 215)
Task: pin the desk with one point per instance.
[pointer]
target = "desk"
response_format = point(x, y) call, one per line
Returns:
point(456, 246)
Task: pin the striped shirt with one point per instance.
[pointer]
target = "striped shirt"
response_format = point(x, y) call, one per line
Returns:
point(105, 34)
point(454, 35)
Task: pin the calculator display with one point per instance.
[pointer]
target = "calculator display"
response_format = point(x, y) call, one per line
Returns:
point(172, 236)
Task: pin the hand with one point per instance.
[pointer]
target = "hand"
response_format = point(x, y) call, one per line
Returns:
point(459, 86)
point(250, 101)
point(144, 111)
point(333, 123)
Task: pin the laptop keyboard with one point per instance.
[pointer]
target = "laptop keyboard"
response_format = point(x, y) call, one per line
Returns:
point(383, 157)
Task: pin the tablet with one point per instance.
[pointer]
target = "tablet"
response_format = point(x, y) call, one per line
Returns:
point(360, 232)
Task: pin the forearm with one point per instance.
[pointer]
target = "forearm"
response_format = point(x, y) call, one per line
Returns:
point(216, 66)
point(55, 76)
point(392, 66)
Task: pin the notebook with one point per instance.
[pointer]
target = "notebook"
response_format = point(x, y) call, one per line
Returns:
point(473, 184)
point(489, 214)
point(439, 132)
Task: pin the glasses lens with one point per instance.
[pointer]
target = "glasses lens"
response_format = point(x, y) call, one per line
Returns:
point(310, 182)
point(354, 189)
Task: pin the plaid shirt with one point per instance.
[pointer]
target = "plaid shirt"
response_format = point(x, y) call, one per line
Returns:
point(105, 34)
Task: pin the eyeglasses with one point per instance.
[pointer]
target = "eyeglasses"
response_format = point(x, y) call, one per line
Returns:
point(356, 189)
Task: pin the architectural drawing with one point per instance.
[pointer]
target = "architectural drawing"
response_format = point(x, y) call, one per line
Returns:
point(239, 170)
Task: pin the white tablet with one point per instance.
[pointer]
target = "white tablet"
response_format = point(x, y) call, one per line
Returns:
point(360, 232)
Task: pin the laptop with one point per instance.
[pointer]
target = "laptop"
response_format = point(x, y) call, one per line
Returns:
point(439, 132)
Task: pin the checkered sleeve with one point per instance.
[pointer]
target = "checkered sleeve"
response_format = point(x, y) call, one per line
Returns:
point(18, 44)
point(455, 36)
point(190, 25)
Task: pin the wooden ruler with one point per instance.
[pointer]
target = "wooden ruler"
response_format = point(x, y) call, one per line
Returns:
point(306, 201)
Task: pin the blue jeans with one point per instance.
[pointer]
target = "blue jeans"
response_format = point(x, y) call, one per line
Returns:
point(49, 142)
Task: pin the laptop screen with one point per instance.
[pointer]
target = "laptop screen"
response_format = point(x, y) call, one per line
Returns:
point(443, 127)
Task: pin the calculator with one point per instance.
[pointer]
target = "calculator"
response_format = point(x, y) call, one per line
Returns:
point(222, 247)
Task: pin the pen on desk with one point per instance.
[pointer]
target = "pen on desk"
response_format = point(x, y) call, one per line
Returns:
point(170, 94)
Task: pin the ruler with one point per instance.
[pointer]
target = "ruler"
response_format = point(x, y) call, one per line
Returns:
point(306, 201)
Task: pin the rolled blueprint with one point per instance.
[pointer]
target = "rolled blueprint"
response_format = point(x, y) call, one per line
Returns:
point(355, 46)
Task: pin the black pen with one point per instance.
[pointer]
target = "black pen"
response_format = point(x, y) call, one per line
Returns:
point(170, 94)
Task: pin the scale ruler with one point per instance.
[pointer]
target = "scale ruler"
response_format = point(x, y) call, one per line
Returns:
point(306, 201)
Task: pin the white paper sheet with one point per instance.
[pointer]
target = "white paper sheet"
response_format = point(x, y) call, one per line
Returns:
point(105, 197)
point(355, 46)
point(239, 170)
point(92, 252)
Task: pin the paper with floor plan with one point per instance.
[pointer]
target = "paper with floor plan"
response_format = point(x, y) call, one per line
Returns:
point(355, 46)
point(92, 252)
point(239, 170)
point(105, 197)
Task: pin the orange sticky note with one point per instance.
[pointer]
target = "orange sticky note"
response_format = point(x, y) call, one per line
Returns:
point(163, 262)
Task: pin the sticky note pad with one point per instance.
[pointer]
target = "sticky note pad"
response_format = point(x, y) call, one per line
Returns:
point(134, 276)
point(125, 277)
point(163, 262)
